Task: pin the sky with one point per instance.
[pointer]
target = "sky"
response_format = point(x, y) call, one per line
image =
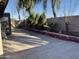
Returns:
point(67, 8)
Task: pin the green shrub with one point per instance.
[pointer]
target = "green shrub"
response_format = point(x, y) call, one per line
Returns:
point(31, 20)
point(36, 21)
point(53, 27)
point(40, 22)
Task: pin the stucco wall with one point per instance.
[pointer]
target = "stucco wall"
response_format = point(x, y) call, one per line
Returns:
point(1, 45)
point(73, 22)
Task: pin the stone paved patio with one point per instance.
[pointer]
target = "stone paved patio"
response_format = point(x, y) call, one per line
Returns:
point(30, 45)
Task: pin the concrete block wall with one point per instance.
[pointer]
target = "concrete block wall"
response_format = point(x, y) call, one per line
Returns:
point(73, 22)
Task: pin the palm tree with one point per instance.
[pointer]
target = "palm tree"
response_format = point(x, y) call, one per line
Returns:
point(28, 4)
point(55, 5)
point(45, 6)
point(18, 11)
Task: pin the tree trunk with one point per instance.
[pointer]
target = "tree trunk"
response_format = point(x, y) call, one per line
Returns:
point(18, 14)
point(54, 13)
point(18, 11)
point(30, 11)
point(67, 28)
point(53, 7)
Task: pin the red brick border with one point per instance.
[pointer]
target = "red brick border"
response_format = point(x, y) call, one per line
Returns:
point(57, 35)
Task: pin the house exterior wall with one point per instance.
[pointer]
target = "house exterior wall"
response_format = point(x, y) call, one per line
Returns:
point(3, 19)
point(1, 46)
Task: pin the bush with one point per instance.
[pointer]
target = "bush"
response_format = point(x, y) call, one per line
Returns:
point(42, 21)
point(53, 27)
point(37, 21)
point(31, 20)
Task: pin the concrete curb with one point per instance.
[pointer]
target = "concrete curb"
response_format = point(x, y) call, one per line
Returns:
point(56, 35)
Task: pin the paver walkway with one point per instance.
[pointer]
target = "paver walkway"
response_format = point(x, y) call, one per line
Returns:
point(30, 45)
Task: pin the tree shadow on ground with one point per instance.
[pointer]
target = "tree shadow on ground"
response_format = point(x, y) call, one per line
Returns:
point(27, 43)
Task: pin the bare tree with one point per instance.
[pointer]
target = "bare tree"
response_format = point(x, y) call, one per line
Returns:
point(68, 13)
